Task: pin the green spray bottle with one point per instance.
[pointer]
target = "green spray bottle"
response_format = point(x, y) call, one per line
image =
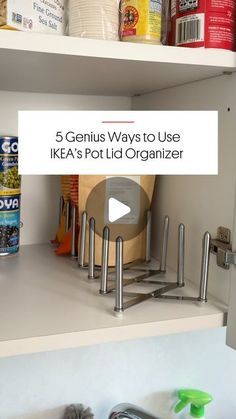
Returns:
point(197, 400)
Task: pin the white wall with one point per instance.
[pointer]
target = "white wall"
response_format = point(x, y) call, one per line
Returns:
point(146, 372)
point(201, 202)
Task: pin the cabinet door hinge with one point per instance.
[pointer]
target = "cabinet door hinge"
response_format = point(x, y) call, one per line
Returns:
point(222, 248)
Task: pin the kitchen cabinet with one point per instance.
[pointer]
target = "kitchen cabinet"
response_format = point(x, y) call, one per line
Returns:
point(46, 302)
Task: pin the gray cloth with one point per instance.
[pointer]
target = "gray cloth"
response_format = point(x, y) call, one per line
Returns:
point(77, 411)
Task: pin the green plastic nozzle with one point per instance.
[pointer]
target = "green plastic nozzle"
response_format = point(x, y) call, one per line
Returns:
point(197, 400)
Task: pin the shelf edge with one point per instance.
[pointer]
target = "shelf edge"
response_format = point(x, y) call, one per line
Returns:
point(83, 47)
point(92, 337)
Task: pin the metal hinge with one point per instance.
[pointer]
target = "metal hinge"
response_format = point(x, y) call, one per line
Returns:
point(222, 248)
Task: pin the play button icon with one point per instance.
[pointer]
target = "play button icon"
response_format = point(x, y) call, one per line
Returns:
point(120, 203)
point(117, 210)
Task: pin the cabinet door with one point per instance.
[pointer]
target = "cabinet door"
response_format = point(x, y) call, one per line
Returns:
point(231, 328)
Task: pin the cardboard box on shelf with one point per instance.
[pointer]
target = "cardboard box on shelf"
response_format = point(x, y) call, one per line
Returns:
point(44, 16)
point(135, 247)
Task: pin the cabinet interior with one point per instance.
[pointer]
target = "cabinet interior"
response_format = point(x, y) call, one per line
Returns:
point(201, 202)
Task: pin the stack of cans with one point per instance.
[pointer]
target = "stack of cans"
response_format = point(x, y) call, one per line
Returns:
point(10, 184)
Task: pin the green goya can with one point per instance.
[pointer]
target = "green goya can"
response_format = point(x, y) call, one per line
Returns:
point(9, 224)
point(9, 178)
point(10, 183)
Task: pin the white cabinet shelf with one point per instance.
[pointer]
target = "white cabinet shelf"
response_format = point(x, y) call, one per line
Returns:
point(52, 64)
point(46, 303)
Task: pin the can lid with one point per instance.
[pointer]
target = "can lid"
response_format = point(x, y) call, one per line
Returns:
point(8, 137)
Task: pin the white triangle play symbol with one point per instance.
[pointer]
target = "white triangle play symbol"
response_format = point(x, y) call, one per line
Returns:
point(117, 210)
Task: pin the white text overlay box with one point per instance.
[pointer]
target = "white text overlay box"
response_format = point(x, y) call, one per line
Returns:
point(118, 142)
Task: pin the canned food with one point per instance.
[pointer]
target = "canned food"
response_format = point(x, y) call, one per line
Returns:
point(141, 21)
point(203, 23)
point(9, 177)
point(9, 224)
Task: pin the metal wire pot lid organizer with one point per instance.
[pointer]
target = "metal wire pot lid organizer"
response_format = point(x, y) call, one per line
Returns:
point(114, 280)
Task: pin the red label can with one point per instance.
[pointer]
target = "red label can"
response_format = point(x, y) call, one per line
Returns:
point(203, 23)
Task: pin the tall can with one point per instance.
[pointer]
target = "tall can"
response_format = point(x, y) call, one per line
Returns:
point(10, 183)
point(141, 21)
point(203, 23)
point(10, 180)
point(9, 224)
